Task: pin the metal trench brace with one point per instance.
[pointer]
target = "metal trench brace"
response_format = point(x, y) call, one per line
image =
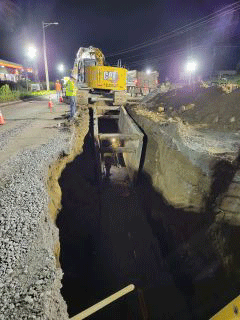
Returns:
point(114, 148)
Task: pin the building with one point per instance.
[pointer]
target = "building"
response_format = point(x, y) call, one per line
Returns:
point(12, 72)
point(226, 73)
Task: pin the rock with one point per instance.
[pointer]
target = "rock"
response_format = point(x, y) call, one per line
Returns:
point(28, 299)
point(161, 109)
point(187, 107)
point(232, 119)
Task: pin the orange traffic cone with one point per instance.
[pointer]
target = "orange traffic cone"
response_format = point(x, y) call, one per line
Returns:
point(1, 118)
point(50, 105)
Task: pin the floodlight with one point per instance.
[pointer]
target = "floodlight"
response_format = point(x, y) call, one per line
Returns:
point(61, 68)
point(148, 71)
point(32, 52)
point(191, 66)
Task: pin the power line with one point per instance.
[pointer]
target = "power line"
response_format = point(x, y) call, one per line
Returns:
point(167, 46)
point(197, 44)
point(179, 31)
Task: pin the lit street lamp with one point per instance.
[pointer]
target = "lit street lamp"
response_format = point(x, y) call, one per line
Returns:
point(61, 68)
point(191, 67)
point(45, 25)
point(32, 52)
point(148, 71)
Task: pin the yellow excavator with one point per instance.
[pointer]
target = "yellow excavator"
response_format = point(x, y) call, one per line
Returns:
point(230, 312)
point(96, 81)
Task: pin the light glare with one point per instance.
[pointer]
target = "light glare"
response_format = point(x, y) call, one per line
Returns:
point(191, 66)
point(61, 68)
point(148, 71)
point(32, 52)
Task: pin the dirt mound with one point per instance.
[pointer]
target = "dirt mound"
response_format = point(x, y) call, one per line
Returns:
point(196, 105)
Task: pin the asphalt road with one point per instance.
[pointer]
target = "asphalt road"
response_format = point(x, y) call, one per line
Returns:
point(28, 124)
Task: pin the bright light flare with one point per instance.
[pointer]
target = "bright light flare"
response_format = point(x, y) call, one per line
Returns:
point(191, 66)
point(32, 52)
point(61, 68)
point(148, 71)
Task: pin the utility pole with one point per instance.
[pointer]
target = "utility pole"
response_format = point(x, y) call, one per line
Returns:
point(45, 57)
point(45, 25)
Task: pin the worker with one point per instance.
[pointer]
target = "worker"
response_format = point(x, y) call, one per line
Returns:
point(58, 88)
point(108, 163)
point(71, 92)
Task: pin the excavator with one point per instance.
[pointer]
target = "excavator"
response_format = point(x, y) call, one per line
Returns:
point(96, 81)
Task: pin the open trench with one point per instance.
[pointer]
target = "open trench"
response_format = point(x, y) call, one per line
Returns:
point(108, 241)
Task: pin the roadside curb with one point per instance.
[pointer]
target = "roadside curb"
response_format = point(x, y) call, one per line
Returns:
point(5, 104)
point(9, 103)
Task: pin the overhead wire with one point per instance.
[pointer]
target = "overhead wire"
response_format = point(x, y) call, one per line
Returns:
point(173, 52)
point(179, 31)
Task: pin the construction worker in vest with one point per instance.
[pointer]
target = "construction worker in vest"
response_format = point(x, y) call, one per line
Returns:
point(71, 92)
point(58, 88)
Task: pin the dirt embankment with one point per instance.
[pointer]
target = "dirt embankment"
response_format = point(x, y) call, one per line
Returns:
point(189, 132)
point(55, 170)
point(209, 107)
point(190, 160)
point(181, 183)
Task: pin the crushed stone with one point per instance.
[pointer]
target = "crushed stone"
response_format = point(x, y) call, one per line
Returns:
point(7, 135)
point(30, 281)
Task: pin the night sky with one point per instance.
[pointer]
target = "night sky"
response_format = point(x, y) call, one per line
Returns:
point(115, 26)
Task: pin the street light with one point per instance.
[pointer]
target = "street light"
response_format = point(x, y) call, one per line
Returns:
point(191, 67)
point(61, 68)
point(45, 25)
point(148, 71)
point(32, 52)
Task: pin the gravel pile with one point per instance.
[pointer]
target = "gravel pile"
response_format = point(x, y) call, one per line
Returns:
point(30, 281)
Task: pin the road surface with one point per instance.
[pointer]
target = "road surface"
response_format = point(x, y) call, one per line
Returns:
point(28, 124)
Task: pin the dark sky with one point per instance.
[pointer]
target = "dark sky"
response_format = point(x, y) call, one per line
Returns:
point(117, 25)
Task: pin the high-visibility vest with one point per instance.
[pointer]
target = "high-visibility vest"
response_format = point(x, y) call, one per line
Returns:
point(58, 86)
point(71, 89)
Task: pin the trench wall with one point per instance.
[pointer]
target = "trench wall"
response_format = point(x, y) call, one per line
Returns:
point(127, 126)
point(179, 190)
point(55, 170)
point(183, 184)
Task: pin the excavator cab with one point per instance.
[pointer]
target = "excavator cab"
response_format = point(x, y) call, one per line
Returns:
point(97, 81)
point(82, 69)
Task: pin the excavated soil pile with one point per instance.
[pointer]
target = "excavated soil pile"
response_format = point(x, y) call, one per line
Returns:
point(208, 106)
